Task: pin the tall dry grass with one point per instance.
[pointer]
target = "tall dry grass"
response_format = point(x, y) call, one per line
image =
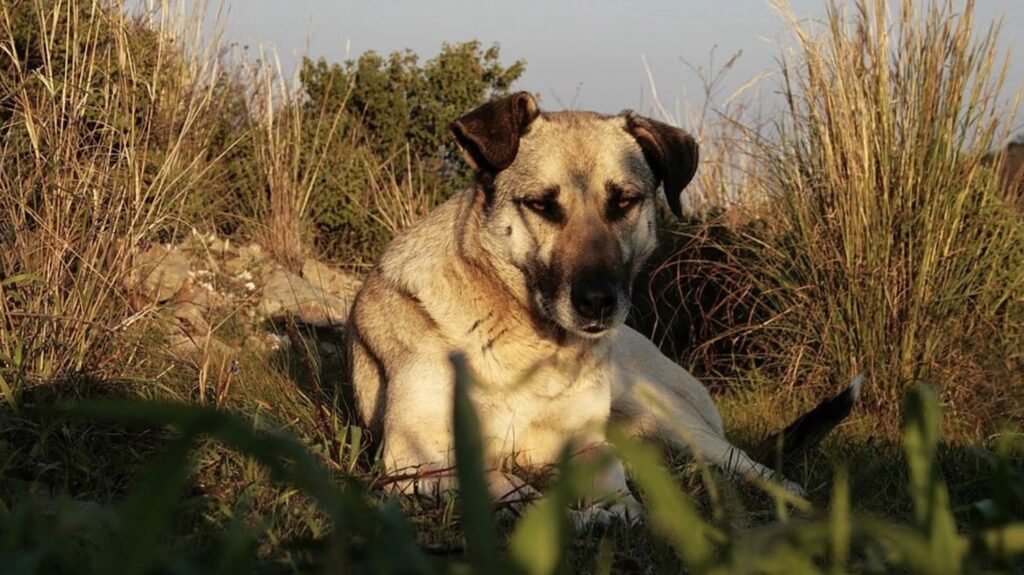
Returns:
point(121, 129)
point(884, 245)
point(291, 149)
point(102, 142)
point(726, 124)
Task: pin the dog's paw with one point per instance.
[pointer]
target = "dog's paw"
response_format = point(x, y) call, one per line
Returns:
point(427, 484)
point(625, 510)
point(506, 487)
point(794, 488)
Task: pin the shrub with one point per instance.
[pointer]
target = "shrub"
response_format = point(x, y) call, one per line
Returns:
point(395, 117)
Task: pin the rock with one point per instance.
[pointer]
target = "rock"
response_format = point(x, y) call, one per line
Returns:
point(330, 348)
point(330, 279)
point(286, 294)
point(218, 246)
point(204, 296)
point(208, 251)
point(190, 317)
point(180, 344)
point(265, 341)
point(249, 256)
point(160, 274)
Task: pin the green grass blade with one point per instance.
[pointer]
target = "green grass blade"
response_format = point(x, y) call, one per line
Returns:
point(540, 540)
point(605, 557)
point(839, 521)
point(8, 393)
point(671, 515)
point(538, 544)
point(931, 499)
point(19, 278)
point(477, 515)
point(355, 446)
point(148, 511)
point(920, 439)
point(1005, 541)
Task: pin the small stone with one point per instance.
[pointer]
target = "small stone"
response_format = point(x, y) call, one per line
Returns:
point(248, 257)
point(286, 294)
point(159, 274)
point(190, 317)
point(183, 345)
point(331, 280)
point(330, 348)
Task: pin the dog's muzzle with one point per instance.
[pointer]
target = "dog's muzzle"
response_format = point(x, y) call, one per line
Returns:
point(594, 299)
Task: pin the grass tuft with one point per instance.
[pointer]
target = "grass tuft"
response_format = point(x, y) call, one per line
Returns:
point(882, 242)
point(101, 144)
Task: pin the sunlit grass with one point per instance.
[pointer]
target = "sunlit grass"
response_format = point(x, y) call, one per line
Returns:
point(880, 240)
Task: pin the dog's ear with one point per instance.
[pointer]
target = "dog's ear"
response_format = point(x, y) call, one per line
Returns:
point(671, 152)
point(490, 134)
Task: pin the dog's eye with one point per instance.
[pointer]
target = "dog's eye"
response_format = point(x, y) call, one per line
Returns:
point(621, 201)
point(545, 206)
point(540, 206)
point(626, 204)
point(619, 207)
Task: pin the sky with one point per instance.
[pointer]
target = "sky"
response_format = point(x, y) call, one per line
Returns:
point(586, 55)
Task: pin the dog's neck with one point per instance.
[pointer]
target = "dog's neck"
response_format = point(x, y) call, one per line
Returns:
point(477, 266)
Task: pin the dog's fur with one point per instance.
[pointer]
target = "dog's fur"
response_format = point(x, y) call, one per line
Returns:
point(529, 274)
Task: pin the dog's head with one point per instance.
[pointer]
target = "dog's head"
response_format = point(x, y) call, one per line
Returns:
point(568, 207)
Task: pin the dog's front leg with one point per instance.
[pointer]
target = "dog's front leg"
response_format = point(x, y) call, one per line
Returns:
point(606, 497)
point(419, 439)
point(418, 448)
point(416, 467)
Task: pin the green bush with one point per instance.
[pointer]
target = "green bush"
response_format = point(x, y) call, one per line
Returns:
point(398, 102)
point(395, 116)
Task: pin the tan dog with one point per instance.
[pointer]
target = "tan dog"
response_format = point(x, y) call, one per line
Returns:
point(529, 275)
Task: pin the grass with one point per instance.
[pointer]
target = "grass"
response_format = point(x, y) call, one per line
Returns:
point(879, 240)
point(291, 149)
point(290, 509)
point(861, 230)
point(80, 187)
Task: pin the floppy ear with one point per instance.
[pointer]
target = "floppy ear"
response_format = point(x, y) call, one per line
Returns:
point(490, 134)
point(671, 152)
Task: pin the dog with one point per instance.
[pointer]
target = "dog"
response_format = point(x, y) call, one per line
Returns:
point(528, 275)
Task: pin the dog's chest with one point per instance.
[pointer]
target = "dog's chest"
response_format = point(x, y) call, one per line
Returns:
point(532, 400)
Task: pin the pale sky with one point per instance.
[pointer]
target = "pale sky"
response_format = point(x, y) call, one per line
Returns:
point(585, 55)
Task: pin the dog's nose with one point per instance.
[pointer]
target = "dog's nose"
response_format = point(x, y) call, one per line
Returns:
point(594, 297)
